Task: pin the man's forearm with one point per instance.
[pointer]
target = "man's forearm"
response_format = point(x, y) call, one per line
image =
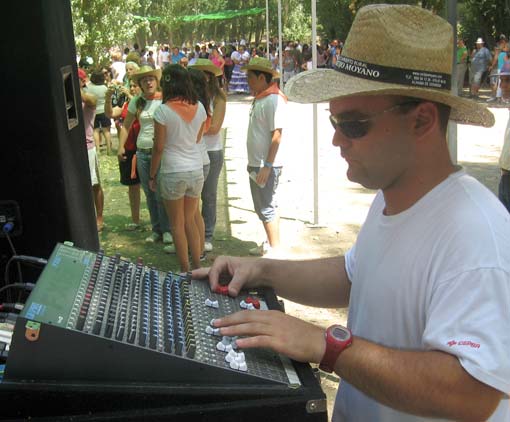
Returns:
point(319, 282)
point(425, 383)
point(275, 144)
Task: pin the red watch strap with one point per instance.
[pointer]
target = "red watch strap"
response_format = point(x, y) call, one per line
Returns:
point(334, 347)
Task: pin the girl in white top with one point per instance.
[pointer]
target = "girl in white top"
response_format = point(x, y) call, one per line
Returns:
point(214, 143)
point(200, 85)
point(178, 126)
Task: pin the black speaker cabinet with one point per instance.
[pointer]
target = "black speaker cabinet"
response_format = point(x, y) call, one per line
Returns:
point(43, 158)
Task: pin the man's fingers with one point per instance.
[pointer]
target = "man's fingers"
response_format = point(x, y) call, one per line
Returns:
point(247, 317)
point(200, 273)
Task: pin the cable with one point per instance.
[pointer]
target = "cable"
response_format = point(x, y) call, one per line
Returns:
point(6, 229)
point(26, 259)
point(17, 307)
point(26, 286)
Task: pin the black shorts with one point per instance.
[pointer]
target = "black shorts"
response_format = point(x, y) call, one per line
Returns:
point(101, 121)
point(126, 167)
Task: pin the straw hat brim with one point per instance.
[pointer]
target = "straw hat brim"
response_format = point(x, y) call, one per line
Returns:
point(137, 76)
point(320, 85)
point(273, 72)
point(216, 71)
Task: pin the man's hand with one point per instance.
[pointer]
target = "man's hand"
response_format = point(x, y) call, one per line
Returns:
point(152, 185)
point(282, 333)
point(242, 272)
point(263, 175)
point(121, 154)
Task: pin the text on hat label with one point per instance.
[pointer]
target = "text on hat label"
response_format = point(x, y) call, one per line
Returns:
point(393, 74)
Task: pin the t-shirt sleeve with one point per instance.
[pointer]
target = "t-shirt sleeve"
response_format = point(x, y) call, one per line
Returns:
point(280, 114)
point(160, 114)
point(132, 105)
point(468, 317)
point(350, 262)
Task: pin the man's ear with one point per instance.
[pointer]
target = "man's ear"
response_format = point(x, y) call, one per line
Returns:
point(427, 118)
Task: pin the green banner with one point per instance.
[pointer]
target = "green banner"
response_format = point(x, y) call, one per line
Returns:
point(225, 14)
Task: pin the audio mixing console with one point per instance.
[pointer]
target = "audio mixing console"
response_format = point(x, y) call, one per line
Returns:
point(93, 319)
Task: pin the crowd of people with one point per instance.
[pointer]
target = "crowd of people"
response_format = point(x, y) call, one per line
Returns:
point(128, 94)
point(168, 123)
point(481, 67)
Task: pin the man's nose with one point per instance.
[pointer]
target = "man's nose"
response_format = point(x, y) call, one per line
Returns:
point(340, 140)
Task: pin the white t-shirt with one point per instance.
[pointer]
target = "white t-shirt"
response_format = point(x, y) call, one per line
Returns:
point(205, 156)
point(213, 142)
point(165, 56)
point(99, 91)
point(266, 115)
point(146, 135)
point(434, 277)
point(119, 68)
point(181, 152)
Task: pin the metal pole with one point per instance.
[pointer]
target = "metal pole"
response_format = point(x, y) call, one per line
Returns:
point(267, 28)
point(280, 52)
point(452, 127)
point(315, 140)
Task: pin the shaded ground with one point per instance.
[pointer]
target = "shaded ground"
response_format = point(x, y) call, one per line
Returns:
point(342, 205)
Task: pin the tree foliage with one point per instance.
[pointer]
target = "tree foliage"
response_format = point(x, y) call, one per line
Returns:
point(100, 24)
point(484, 18)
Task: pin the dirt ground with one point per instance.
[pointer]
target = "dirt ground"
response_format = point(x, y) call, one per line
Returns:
point(341, 206)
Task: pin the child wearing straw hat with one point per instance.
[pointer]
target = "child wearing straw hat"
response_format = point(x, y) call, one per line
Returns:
point(427, 281)
point(266, 124)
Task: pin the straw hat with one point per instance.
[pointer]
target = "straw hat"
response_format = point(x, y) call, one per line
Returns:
point(392, 50)
point(480, 41)
point(206, 65)
point(146, 71)
point(262, 64)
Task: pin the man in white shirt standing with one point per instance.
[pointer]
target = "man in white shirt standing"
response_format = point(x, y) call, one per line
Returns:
point(428, 280)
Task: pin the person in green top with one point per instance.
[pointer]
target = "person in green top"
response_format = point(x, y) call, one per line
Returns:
point(462, 56)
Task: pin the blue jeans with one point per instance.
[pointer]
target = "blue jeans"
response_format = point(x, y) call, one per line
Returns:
point(209, 193)
point(504, 190)
point(264, 199)
point(159, 220)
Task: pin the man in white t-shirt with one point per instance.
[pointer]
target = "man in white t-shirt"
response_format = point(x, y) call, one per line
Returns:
point(267, 120)
point(428, 279)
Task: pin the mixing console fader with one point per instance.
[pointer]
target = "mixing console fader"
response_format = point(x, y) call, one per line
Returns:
point(93, 317)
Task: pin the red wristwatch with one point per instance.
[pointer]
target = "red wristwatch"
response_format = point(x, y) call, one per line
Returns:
point(338, 339)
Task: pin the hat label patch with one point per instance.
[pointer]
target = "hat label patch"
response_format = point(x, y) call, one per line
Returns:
point(396, 75)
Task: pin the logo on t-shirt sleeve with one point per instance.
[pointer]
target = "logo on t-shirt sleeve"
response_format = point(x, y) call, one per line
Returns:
point(469, 343)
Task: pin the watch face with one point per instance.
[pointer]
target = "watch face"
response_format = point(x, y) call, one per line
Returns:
point(339, 333)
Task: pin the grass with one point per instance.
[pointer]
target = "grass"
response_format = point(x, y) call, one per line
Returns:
point(131, 244)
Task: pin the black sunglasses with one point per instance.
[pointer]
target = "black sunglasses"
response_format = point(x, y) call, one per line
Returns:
point(354, 129)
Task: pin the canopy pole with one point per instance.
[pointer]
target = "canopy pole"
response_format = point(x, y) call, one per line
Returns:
point(315, 134)
point(452, 126)
point(267, 28)
point(280, 52)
